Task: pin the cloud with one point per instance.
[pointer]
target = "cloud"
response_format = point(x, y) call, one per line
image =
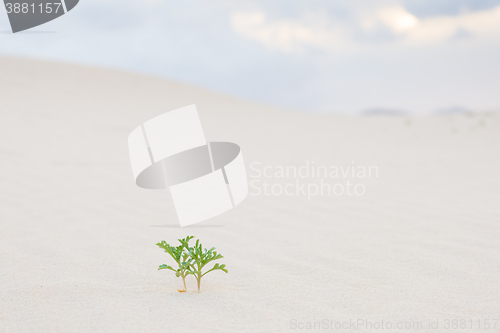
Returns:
point(397, 18)
point(286, 35)
point(438, 29)
point(292, 35)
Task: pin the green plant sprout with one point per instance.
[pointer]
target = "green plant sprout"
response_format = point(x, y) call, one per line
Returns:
point(180, 257)
point(199, 259)
point(191, 260)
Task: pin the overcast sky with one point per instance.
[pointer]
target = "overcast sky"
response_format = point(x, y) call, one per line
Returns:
point(417, 56)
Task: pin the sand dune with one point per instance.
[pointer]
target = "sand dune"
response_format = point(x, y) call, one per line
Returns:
point(77, 240)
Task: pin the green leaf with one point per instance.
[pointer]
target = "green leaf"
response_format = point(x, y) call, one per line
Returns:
point(166, 267)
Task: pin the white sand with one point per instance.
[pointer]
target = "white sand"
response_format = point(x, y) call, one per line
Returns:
point(77, 237)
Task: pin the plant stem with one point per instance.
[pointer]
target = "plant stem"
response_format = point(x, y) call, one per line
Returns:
point(183, 275)
point(184, 280)
point(198, 274)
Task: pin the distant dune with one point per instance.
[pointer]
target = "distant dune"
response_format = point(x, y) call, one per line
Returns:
point(453, 110)
point(384, 112)
point(420, 243)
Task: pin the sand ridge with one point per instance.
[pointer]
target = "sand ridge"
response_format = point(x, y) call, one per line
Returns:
point(77, 240)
